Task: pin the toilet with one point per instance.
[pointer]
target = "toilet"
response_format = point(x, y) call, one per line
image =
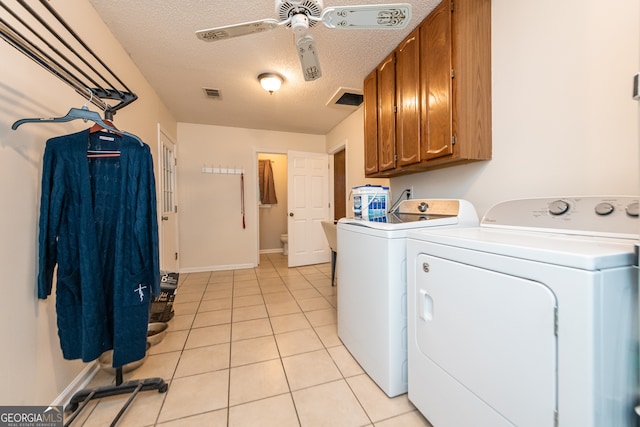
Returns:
point(284, 238)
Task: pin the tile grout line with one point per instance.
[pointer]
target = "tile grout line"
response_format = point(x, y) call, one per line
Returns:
point(164, 400)
point(290, 393)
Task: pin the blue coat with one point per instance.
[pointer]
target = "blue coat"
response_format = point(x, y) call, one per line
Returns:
point(98, 224)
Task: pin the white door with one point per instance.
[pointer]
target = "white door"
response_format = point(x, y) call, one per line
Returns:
point(308, 202)
point(168, 204)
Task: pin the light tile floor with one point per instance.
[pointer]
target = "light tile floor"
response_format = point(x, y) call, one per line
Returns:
point(255, 347)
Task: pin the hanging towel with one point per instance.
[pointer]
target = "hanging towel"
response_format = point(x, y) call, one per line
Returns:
point(267, 186)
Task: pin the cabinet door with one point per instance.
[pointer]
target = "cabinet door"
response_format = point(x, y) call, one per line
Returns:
point(436, 75)
point(408, 100)
point(386, 114)
point(370, 92)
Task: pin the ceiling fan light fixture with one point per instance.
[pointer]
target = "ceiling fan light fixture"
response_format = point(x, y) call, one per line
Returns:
point(300, 15)
point(270, 82)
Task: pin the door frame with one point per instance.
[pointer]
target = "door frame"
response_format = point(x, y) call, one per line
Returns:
point(162, 133)
point(341, 146)
point(253, 204)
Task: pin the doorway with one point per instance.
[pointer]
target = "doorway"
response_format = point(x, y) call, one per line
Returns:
point(273, 216)
point(301, 182)
point(339, 185)
point(168, 230)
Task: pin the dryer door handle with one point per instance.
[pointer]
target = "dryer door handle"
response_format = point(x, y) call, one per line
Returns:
point(425, 305)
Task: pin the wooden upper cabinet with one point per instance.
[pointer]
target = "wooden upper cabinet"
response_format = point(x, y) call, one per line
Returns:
point(434, 100)
point(370, 93)
point(471, 34)
point(408, 100)
point(386, 114)
point(436, 78)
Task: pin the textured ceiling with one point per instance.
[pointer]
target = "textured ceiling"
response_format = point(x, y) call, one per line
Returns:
point(159, 35)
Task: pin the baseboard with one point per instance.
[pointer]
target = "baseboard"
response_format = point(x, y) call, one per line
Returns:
point(272, 251)
point(80, 382)
point(216, 268)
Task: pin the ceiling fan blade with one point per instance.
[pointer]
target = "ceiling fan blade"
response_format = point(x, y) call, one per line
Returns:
point(228, 31)
point(308, 58)
point(374, 16)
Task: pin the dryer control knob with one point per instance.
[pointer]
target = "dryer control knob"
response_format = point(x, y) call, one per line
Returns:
point(422, 207)
point(558, 207)
point(633, 209)
point(604, 208)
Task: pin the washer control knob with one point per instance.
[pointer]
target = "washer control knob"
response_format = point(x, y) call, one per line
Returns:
point(558, 207)
point(604, 208)
point(422, 207)
point(633, 209)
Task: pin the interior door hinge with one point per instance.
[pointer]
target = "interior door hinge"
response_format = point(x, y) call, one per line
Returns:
point(175, 209)
point(453, 74)
point(452, 8)
point(176, 256)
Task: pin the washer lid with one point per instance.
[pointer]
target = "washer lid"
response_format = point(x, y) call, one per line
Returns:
point(378, 224)
point(583, 252)
point(421, 213)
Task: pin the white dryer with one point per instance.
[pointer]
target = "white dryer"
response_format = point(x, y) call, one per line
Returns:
point(372, 289)
point(528, 320)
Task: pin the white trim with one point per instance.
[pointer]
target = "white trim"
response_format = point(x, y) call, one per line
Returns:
point(256, 223)
point(217, 268)
point(159, 188)
point(79, 383)
point(272, 251)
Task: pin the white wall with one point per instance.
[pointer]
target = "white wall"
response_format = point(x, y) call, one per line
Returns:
point(564, 122)
point(211, 233)
point(350, 134)
point(33, 371)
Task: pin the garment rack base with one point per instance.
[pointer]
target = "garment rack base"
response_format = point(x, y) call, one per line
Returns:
point(82, 397)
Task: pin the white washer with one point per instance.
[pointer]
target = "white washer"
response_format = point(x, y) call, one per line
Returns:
point(529, 319)
point(372, 315)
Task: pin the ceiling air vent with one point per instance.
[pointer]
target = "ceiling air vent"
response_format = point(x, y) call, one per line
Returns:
point(346, 98)
point(212, 93)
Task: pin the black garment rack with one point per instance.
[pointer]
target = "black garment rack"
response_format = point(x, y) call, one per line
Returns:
point(31, 30)
point(39, 32)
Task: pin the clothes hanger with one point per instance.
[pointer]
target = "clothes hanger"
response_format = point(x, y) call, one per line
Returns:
point(98, 127)
point(93, 154)
point(78, 113)
point(74, 113)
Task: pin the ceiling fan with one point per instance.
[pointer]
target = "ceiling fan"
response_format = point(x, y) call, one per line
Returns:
point(303, 14)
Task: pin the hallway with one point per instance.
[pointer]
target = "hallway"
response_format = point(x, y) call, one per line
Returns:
point(255, 347)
